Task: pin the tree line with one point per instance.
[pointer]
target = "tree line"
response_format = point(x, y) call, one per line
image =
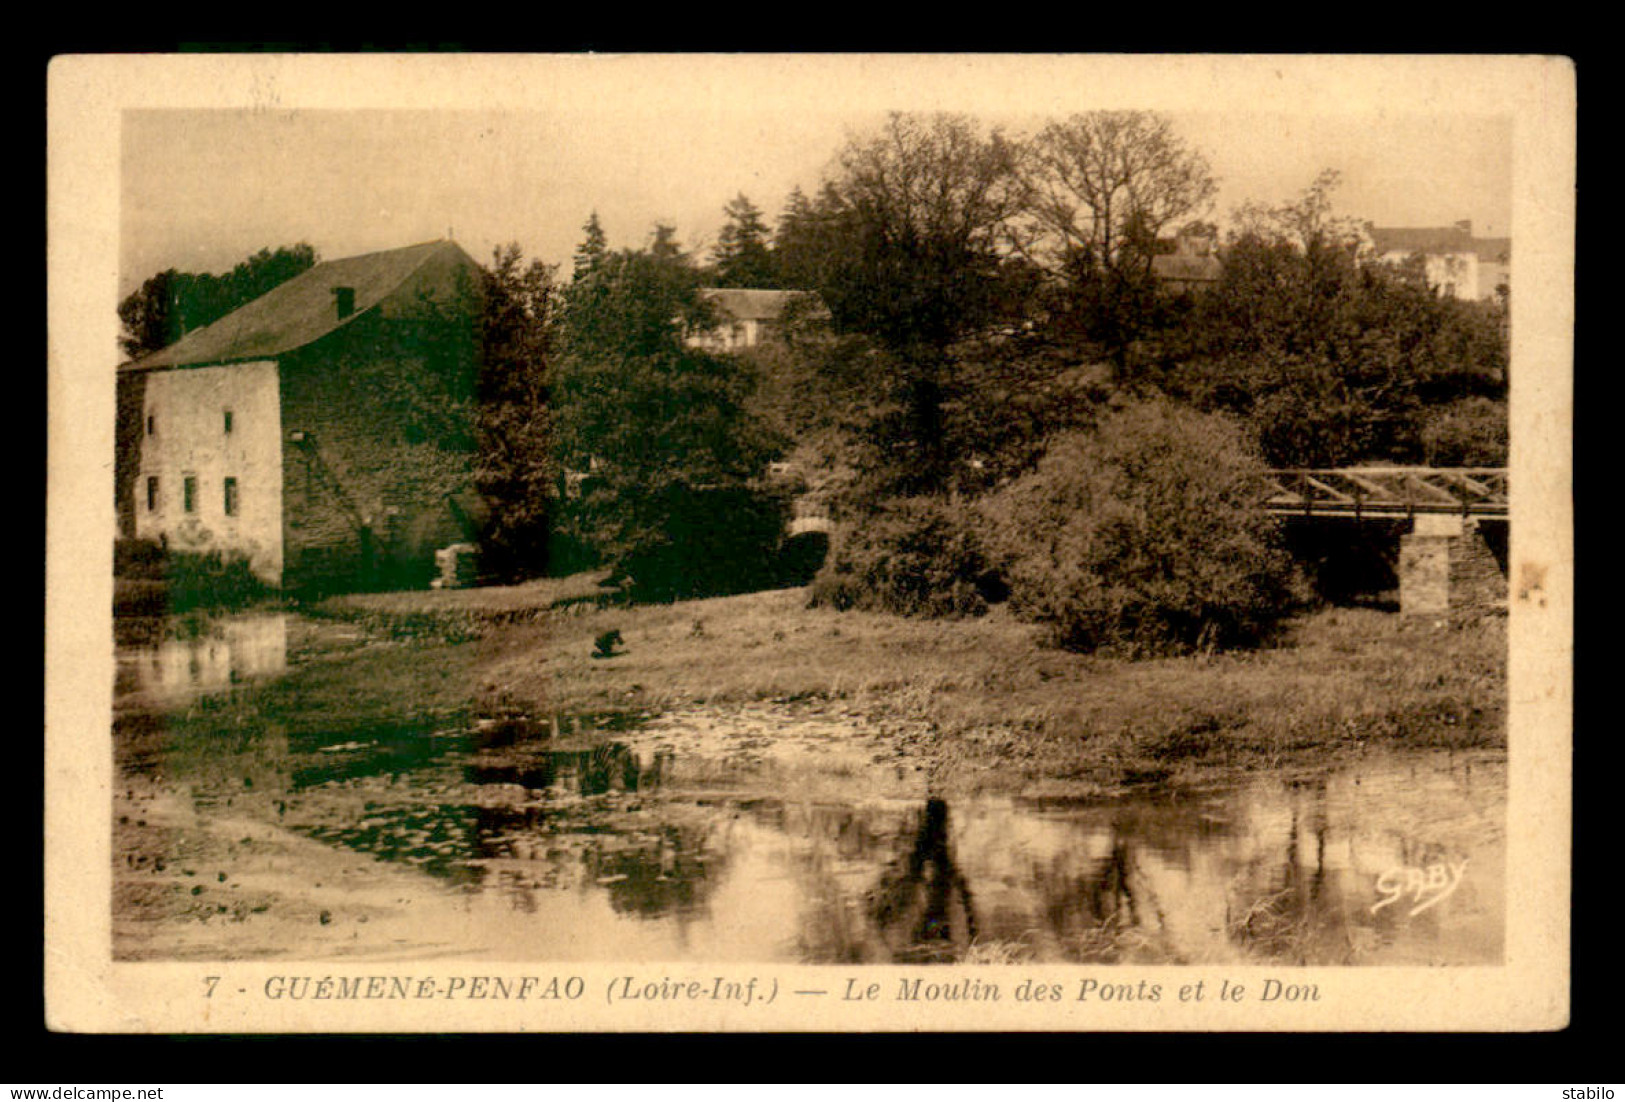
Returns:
point(998, 363)
point(172, 303)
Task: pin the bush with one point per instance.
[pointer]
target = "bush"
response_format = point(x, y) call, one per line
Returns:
point(916, 556)
point(210, 579)
point(151, 580)
point(1313, 422)
point(704, 543)
point(1144, 537)
point(135, 558)
point(1468, 433)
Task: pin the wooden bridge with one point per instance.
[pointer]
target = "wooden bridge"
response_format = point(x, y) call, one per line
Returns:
point(1389, 492)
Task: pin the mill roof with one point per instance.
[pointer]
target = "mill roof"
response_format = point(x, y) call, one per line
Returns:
point(300, 311)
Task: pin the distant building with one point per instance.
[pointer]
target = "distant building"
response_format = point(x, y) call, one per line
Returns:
point(1192, 266)
point(1456, 263)
point(320, 431)
point(747, 317)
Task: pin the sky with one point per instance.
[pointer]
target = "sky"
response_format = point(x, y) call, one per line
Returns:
point(200, 189)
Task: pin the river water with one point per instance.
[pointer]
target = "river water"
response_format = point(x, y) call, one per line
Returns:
point(784, 833)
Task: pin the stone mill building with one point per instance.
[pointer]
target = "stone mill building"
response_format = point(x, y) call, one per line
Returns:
point(323, 431)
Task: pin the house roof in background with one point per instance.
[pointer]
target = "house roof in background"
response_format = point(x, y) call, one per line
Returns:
point(1440, 241)
point(750, 305)
point(1189, 269)
point(300, 311)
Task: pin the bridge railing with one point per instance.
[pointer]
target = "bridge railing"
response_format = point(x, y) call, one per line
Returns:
point(1388, 492)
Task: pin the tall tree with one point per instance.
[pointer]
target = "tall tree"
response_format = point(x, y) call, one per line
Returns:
point(151, 315)
point(806, 236)
point(920, 207)
point(742, 256)
point(666, 450)
point(515, 470)
point(663, 244)
point(1099, 183)
point(908, 252)
point(1307, 223)
point(267, 269)
point(594, 246)
point(1100, 189)
point(172, 303)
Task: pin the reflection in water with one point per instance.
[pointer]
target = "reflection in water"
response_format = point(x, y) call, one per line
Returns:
point(922, 904)
point(194, 656)
point(1262, 871)
point(435, 839)
point(650, 871)
point(393, 751)
point(591, 772)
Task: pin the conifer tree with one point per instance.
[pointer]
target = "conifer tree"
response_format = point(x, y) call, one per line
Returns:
point(590, 253)
point(742, 256)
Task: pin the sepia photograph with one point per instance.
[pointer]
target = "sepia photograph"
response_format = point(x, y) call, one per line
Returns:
point(720, 533)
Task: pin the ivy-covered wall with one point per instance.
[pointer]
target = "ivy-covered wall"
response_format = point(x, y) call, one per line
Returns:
point(377, 432)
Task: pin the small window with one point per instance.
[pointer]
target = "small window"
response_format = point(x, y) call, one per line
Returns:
point(152, 424)
point(189, 494)
point(228, 422)
point(231, 496)
point(152, 494)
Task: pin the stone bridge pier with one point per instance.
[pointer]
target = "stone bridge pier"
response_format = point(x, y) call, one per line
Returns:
point(1451, 523)
point(1452, 563)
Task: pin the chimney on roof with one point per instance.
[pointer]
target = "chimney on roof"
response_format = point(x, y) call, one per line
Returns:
point(1193, 242)
point(344, 301)
point(1465, 226)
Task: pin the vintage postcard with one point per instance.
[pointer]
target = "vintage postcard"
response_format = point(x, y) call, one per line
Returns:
point(784, 543)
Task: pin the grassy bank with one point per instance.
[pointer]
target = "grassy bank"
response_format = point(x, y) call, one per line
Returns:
point(988, 703)
point(994, 699)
